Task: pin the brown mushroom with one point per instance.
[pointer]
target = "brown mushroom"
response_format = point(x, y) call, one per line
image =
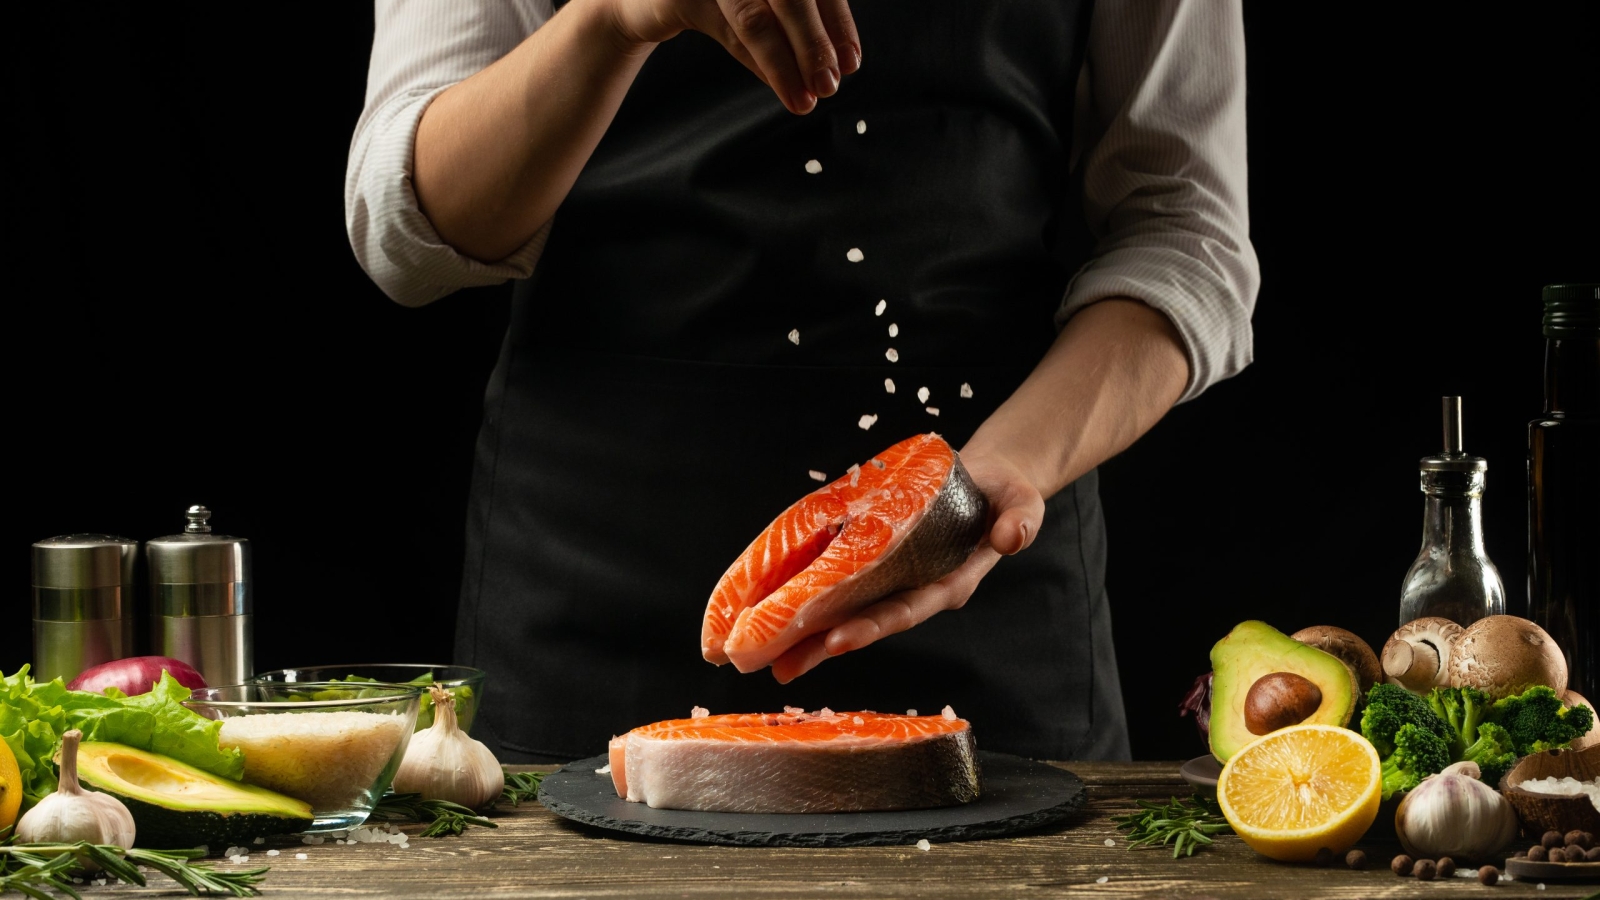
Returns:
point(1417, 656)
point(1505, 655)
point(1591, 738)
point(1355, 652)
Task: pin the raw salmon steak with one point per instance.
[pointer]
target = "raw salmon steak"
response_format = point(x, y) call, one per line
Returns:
point(798, 762)
point(905, 519)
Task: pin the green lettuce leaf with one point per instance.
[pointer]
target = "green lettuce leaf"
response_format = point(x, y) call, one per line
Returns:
point(34, 715)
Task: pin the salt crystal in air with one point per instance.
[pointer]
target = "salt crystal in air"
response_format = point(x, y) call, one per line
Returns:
point(894, 330)
point(948, 713)
point(932, 410)
point(882, 305)
point(892, 355)
point(794, 336)
point(699, 712)
point(603, 770)
point(966, 391)
point(813, 167)
point(866, 422)
point(817, 476)
point(854, 254)
point(861, 126)
point(924, 845)
point(922, 395)
point(888, 385)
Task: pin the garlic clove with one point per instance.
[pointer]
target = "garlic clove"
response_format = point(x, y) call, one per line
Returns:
point(72, 814)
point(445, 763)
point(1454, 814)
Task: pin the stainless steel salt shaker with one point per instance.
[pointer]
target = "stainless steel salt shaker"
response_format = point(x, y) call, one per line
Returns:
point(82, 603)
point(200, 600)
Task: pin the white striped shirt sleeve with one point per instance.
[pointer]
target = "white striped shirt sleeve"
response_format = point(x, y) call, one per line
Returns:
point(1165, 176)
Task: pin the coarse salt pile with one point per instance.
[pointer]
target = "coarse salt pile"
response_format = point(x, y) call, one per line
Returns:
point(327, 759)
point(1567, 786)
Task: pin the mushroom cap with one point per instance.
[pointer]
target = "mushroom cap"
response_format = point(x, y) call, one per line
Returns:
point(1409, 653)
point(1592, 738)
point(1506, 655)
point(1356, 653)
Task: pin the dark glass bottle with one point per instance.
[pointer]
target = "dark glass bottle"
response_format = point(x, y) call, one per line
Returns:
point(1564, 484)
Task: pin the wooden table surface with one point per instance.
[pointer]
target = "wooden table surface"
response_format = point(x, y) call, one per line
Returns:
point(534, 853)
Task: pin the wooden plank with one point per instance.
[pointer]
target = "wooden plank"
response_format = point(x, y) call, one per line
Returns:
point(535, 854)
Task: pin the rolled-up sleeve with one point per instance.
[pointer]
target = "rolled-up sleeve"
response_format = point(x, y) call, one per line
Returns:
point(1164, 175)
point(419, 49)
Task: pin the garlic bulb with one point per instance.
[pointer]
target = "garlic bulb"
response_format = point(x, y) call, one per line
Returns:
point(1454, 814)
point(443, 763)
point(72, 814)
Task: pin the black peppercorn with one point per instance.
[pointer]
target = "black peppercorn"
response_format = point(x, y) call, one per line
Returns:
point(1447, 867)
point(1553, 839)
point(1355, 859)
point(1572, 837)
point(1592, 854)
point(1556, 855)
point(1536, 854)
point(1324, 857)
point(1400, 865)
point(1488, 875)
point(1424, 870)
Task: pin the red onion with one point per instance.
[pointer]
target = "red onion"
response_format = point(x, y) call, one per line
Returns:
point(1198, 701)
point(135, 675)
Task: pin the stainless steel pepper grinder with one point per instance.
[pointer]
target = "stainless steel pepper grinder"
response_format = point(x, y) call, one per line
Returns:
point(200, 600)
point(82, 603)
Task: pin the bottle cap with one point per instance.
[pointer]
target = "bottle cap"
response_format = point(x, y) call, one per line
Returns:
point(1571, 310)
point(198, 573)
point(78, 577)
point(1453, 459)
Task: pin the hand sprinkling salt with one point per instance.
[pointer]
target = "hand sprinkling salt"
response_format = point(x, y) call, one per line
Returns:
point(922, 395)
point(931, 410)
point(882, 305)
point(866, 422)
point(894, 330)
point(861, 126)
point(892, 355)
point(817, 476)
point(813, 167)
point(888, 385)
point(854, 254)
point(966, 391)
point(794, 336)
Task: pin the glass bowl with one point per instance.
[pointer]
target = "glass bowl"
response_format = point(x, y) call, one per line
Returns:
point(465, 682)
point(338, 755)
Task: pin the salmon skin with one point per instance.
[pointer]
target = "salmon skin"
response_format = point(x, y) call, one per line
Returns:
point(798, 762)
point(906, 518)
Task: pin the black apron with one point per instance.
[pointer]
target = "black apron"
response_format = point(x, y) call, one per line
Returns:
point(652, 411)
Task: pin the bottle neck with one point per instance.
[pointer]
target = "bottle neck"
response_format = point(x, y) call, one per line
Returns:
point(1572, 375)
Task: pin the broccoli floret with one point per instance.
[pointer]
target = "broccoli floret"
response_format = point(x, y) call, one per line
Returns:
point(1389, 709)
point(1417, 754)
point(1463, 709)
point(1493, 751)
point(1536, 720)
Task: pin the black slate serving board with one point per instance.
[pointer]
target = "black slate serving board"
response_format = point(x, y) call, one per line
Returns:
point(1018, 795)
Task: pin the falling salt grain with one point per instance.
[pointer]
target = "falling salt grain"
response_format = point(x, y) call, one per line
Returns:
point(922, 395)
point(1101, 880)
point(932, 410)
point(894, 330)
point(861, 126)
point(817, 476)
point(882, 305)
point(888, 385)
point(794, 336)
point(864, 423)
point(924, 845)
point(948, 713)
point(892, 354)
point(854, 254)
point(813, 167)
point(299, 856)
point(603, 770)
point(966, 391)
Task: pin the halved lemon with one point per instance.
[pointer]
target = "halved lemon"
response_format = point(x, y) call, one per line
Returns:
point(1300, 789)
point(10, 786)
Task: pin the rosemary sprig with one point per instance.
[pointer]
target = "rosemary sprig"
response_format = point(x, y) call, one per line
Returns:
point(1185, 824)
point(520, 786)
point(442, 816)
point(34, 869)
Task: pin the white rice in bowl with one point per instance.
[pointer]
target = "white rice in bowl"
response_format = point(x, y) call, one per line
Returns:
point(327, 759)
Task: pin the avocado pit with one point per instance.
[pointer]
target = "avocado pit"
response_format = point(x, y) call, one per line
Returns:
point(1278, 700)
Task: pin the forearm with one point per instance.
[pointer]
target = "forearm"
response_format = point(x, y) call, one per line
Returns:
point(498, 152)
point(1112, 373)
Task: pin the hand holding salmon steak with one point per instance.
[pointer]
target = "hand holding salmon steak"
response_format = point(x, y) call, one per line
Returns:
point(908, 517)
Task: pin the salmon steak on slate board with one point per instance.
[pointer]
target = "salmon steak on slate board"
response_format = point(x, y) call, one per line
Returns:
point(798, 762)
point(905, 519)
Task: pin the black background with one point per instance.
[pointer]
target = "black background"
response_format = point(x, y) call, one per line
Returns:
point(187, 324)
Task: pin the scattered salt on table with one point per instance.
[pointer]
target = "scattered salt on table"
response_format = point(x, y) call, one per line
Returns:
point(817, 476)
point(888, 385)
point(892, 354)
point(861, 126)
point(259, 840)
point(603, 770)
point(948, 713)
point(894, 330)
point(272, 853)
point(922, 395)
point(794, 336)
point(966, 391)
point(864, 423)
point(1101, 880)
point(882, 305)
point(1112, 843)
point(813, 166)
point(854, 254)
point(924, 845)
point(299, 856)
point(932, 410)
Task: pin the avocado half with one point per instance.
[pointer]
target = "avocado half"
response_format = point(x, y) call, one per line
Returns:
point(175, 805)
point(1253, 650)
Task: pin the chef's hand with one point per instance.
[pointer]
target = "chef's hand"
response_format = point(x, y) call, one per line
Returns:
point(799, 48)
point(1016, 510)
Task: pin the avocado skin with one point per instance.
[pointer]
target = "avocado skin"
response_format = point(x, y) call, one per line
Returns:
point(1254, 649)
point(159, 828)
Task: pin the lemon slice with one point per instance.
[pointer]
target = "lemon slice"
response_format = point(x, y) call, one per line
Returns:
point(1298, 790)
